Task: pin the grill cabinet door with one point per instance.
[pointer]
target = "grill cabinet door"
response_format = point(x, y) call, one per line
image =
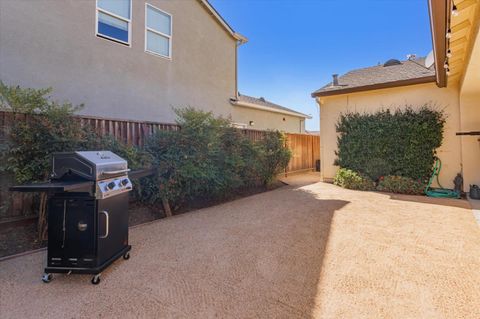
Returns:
point(71, 232)
point(114, 237)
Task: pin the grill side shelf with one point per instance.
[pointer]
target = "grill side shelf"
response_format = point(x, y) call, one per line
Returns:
point(57, 186)
point(142, 173)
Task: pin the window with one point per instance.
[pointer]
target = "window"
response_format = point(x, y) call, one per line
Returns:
point(113, 20)
point(158, 32)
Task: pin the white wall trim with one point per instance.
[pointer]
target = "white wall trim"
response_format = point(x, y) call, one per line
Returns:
point(269, 109)
point(239, 125)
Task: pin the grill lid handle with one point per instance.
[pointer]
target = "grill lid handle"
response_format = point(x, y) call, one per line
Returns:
point(116, 172)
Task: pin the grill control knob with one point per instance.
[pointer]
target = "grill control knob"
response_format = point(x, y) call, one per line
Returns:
point(124, 182)
point(111, 185)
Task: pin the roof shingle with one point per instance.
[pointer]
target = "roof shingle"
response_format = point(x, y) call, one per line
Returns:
point(262, 102)
point(369, 77)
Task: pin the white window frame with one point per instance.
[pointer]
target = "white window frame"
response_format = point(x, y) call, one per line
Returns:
point(129, 22)
point(169, 37)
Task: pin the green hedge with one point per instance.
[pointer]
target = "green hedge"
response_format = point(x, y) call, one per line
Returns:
point(208, 158)
point(401, 142)
point(402, 185)
point(393, 184)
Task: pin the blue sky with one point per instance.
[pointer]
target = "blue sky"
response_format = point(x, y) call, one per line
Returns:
point(296, 45)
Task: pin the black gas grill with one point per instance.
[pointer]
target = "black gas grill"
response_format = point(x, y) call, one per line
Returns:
point(87, 212)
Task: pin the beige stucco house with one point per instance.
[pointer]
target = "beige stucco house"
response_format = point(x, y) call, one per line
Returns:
point(261, 114)
point(448, 78)
point(129, 59)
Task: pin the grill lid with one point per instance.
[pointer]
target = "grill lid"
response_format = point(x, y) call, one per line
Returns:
point(91, 165)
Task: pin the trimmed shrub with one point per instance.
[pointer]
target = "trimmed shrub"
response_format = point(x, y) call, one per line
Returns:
point(401, 142)
point(274, 156)
point(400, 184)
point(209, 159)
point(352, 180)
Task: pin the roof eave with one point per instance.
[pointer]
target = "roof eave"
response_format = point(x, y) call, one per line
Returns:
point(237, 36)
point(377, 86)
point(267, 108)
point(439, 14)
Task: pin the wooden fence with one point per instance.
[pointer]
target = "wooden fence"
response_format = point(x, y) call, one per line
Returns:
point(305, 148)
point(305, 151)
point(126, 131)
point(129, 132)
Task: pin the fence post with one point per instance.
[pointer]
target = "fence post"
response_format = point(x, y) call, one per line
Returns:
point(286, 146)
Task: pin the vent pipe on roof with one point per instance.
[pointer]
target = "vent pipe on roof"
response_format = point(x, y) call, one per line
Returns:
point(335, 79)
point(411, 57)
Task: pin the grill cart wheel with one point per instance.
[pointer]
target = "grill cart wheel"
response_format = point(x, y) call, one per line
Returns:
point(46, 278)
point(96, 279)
point(126, 256)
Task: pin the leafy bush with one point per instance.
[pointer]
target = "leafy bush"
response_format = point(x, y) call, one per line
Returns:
point(50, 128)
point(274, 156)
point(136, 157)
point(185, 159)
point(402, 142)
point(400, 184)
point(31, 143)
point(352, 180)
point(208, 158)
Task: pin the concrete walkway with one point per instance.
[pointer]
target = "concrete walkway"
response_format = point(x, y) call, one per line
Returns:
point(316, 251)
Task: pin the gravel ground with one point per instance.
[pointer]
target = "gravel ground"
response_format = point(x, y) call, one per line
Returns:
point(18, 239)
point(316, 251)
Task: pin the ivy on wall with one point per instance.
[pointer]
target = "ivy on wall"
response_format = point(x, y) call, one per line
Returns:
point(401, 142)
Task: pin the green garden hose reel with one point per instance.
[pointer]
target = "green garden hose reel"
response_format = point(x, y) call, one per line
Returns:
point(439, 192)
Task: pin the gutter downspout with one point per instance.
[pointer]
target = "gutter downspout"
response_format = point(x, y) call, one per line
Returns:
point(242, 40)
point(320, 101)
point(236, 69)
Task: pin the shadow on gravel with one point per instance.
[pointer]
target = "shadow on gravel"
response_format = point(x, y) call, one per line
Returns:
point(285, 254)
point(451, 202)
point(257, 257)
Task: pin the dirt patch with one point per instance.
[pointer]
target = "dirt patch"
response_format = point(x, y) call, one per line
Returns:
point(245, 192)
point(20, 238)
point(17, 239)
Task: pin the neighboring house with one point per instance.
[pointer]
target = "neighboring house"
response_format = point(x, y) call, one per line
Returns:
point(124, 59)
point(452, 82)
point(258, 113)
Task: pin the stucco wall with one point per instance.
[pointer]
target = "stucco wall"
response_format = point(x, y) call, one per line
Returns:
point(52, 43)
point(470, 116)
point(370, 101)
point(265, 120)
